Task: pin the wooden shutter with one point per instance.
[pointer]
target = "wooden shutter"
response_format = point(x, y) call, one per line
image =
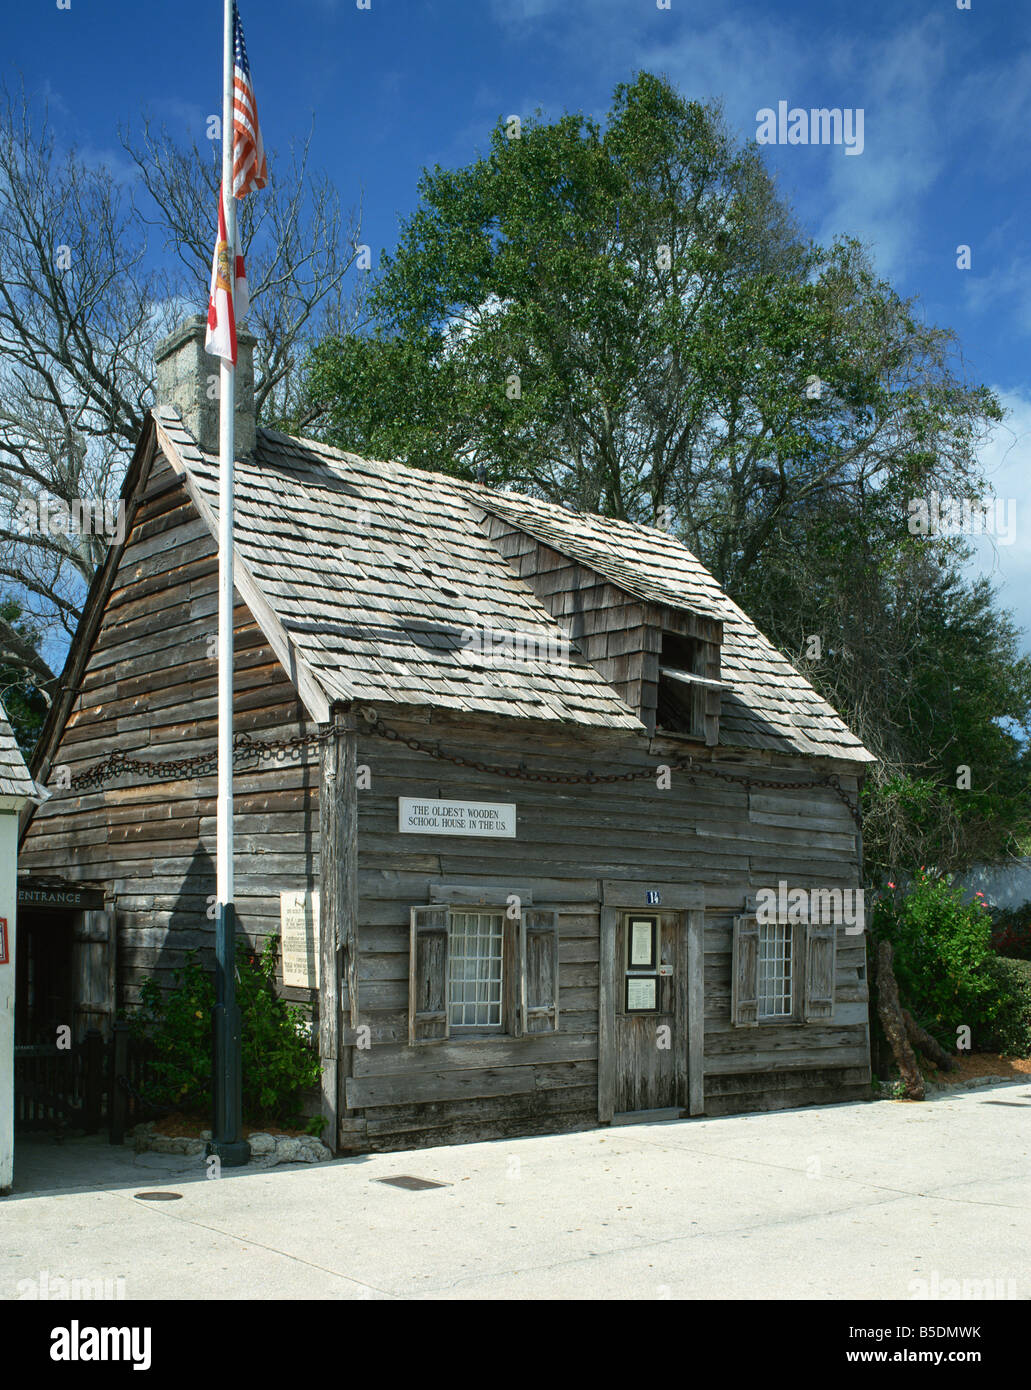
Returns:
point(744, 992)
point(93, 971)
point(428, 975)
point(820, 959)
point(538, 955)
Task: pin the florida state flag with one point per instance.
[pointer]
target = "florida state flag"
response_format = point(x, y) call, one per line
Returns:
point(220, 339)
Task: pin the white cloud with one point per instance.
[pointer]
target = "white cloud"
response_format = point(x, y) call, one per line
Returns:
point(1006, 288)
point(878, 195)
point(1006, 462)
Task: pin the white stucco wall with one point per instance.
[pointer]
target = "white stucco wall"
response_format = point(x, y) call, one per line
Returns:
point(8, 903)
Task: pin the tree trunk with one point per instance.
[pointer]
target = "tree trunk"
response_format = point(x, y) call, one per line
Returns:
point(929, 1046)
point(893, 1022)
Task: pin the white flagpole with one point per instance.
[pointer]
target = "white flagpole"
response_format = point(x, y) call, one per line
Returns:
point(226, 1140)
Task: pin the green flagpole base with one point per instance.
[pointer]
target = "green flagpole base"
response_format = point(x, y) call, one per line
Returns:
point(230, 1155)
point(226, 1142)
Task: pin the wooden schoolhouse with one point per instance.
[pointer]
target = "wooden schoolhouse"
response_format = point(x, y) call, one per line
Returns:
point(516, 785)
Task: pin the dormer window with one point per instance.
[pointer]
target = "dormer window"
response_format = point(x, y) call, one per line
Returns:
point(689, 685)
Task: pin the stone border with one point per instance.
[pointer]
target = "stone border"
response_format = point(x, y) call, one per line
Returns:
point(938, 1089)
point(267, 1150)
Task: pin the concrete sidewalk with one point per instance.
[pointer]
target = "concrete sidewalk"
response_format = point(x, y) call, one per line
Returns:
point(853, 1201)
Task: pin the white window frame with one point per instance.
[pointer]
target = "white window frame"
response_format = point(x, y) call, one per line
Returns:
point(786, 934)
point(493, 983)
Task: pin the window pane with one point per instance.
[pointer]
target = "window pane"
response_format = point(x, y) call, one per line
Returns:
point(774, 970)
point(475, 940)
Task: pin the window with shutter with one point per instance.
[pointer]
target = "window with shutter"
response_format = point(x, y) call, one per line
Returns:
point(475, 970)
point(783, 972)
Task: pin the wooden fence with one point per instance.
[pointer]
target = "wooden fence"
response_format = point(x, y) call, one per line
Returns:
point(92, 1084)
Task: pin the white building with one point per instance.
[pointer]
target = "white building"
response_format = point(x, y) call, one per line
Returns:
point(16, 789)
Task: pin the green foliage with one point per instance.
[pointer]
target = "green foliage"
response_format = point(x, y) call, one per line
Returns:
point(278, 1060)
point(26, 708)
point(943, 960)
point(1011, 1034)
point(177, 1028)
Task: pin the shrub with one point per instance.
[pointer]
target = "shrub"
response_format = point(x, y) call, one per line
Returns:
point(1011, 932)
point(278, 1062)
point(1011, 1033)
point(943, 959)
point(176, 1027)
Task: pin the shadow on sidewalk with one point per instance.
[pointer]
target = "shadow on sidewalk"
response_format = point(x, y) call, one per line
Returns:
point(48, 1165)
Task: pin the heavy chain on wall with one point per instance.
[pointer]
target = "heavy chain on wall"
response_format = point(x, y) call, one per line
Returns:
point(248, 751)
point(685, 765)
point(245, 752)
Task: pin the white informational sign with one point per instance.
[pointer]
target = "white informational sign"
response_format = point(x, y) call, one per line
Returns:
point(299, 938)
point(493, 820)
point(641, 993)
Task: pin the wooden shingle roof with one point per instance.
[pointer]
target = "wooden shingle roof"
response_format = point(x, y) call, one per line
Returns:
point(381, 581)
point(377, 574)
point(14, 775)
point(769, 705)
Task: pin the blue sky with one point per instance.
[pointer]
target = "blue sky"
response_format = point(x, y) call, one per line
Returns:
point(946, 94)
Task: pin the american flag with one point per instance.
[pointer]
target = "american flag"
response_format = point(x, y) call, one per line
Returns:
point(249, 167)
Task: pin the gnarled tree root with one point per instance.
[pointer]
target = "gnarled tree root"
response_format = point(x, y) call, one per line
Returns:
point(894, 1024)
point(929, 1046)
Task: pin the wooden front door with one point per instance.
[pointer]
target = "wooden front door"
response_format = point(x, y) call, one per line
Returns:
point(650, 1025)
point(651, 999)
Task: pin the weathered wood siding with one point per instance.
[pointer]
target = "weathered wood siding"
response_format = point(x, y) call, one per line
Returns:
point(149, 691)
point(714, 834)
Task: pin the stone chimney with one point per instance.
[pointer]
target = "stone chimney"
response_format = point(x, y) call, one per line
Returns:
point(187, 378)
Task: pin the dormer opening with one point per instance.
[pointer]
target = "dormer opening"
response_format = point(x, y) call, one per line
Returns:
point(689, 686)
point(680, 653)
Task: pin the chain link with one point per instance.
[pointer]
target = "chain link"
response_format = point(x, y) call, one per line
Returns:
point(687, 766)
point(247, 750)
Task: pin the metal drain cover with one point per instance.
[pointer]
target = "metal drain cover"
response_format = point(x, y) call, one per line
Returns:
point(159, 1196)
point(412, 1184)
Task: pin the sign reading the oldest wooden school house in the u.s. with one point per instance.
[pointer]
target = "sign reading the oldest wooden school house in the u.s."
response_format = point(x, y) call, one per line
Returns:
point(482, 972)
point(496, 820)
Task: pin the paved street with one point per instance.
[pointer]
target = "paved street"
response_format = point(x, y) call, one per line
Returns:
point(854, 1201)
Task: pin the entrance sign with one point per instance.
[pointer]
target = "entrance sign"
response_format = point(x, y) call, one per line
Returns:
point(70, 898)
point(492, 820)
point(299, 938)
